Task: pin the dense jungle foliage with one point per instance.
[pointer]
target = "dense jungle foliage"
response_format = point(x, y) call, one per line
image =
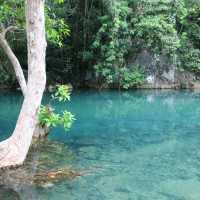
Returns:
point(92, 41)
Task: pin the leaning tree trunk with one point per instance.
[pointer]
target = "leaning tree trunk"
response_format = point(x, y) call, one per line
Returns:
point(15, 62)
point(13, 151)
point(39, 131)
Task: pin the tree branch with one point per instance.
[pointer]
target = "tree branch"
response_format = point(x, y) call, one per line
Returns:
point(15, 62)
point(6, 30)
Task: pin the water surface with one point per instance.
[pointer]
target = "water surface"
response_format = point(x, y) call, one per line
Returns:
point(137, 145)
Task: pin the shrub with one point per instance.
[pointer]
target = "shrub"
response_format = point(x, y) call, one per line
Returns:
point(49, 118)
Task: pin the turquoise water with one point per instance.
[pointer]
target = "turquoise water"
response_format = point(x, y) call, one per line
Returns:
point(139, 145)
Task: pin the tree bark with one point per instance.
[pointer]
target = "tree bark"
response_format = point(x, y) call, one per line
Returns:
point(15, 62)
point(13, 151)
point(39, 131)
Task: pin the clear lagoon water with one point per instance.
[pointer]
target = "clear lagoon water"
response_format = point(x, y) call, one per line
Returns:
point(137, 145)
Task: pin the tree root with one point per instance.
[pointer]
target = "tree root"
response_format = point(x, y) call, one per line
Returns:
point(10, 155)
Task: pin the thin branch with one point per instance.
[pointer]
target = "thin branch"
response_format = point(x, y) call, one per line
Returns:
point(6, 30)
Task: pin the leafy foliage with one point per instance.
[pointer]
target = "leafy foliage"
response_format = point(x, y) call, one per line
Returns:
point(112, 41)
point(132, 77)
point(62, 93)
point(189, 26)
point(104, 34)
point(49, 118)
point(56, 27)
point(12, 13)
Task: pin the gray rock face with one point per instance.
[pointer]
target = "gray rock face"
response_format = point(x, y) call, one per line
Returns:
point(161, 72)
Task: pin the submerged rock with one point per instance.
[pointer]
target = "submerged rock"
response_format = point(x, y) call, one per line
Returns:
point(8, 194)
point(47, 178)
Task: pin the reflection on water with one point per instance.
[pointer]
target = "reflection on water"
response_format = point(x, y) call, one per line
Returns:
point(140, 145)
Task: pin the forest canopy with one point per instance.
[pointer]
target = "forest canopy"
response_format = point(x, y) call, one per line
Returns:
point(94, 40)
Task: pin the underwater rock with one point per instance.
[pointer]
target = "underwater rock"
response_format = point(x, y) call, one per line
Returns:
point(47, 162)
point(47, 178)
point(8, 194)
